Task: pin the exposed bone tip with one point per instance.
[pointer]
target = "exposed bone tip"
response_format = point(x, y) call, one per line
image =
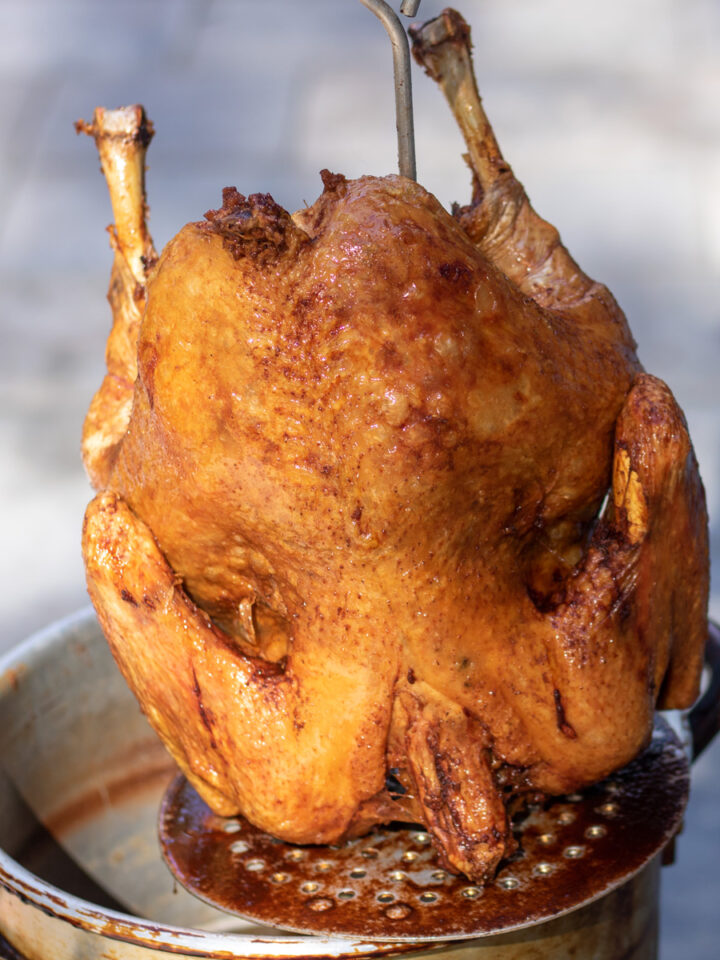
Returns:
point(122, 123)
point(448, 27)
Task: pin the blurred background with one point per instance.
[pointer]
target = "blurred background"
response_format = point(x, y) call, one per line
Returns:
point(607, 110)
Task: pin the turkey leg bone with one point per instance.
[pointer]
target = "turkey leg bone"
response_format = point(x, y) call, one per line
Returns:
point(500, 219)
point(122, 137)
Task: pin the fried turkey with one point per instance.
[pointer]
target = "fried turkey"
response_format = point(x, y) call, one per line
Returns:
point(391, 524)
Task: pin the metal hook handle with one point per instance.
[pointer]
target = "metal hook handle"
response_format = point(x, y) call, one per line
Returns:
point(704, 717)
point(403, 84)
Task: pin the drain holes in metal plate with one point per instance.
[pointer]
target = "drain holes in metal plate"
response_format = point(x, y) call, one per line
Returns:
point(255, 866)
point(295, 855)
point(398, 911)
point(509, 883)
point(596, 831)
point(471, 893)
point(395, 877)
point(428, 897)
point(320, 904)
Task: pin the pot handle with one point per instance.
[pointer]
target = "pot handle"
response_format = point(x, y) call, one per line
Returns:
point(704, 717)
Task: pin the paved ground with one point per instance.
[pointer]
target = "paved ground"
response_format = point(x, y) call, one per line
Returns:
point(607, 110)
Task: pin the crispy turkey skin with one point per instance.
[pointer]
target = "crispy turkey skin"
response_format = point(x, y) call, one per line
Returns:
point(351, 519)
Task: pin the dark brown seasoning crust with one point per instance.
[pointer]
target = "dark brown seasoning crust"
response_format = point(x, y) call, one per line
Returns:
point(255, 227)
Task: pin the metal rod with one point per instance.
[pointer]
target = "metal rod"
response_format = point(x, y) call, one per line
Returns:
point(409, 7)
point(403, 84)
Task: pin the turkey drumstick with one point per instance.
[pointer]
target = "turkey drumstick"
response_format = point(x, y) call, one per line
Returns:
point(122, 137)
point(500, 218)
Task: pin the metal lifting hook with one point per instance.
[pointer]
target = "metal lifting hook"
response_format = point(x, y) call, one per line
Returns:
point(403, 83)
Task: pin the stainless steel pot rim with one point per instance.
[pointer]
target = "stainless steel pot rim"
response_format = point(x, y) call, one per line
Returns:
point(121, 926)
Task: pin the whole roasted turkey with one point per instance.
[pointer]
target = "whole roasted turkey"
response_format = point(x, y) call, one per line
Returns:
point(391, 523)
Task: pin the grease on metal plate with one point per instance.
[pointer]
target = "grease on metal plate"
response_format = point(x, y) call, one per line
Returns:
point(388, 885)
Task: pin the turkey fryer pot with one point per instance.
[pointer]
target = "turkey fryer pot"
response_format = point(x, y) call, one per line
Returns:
point(81, 875)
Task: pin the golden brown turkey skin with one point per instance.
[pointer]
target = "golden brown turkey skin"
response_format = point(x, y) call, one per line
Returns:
point(352, 525)
point(348, 451)
point(376, 396)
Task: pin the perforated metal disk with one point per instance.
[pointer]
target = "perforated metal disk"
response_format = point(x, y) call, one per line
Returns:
point(388, 884)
